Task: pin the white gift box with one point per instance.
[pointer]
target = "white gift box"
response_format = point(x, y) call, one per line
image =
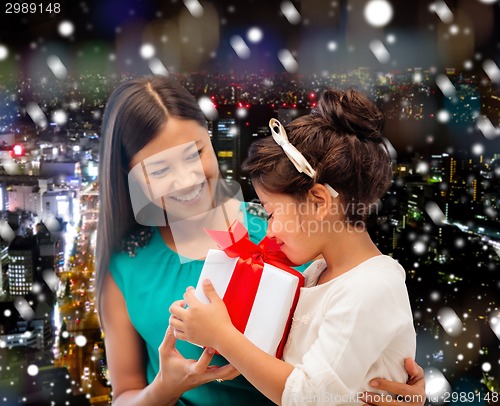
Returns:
point(274, 300)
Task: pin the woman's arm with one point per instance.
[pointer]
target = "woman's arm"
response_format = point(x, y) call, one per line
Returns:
point(413, 392)
point(125, 354)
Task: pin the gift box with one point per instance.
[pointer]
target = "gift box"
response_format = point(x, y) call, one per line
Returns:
point(256, 283)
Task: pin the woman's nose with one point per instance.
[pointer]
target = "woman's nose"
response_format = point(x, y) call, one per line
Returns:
point(184, 178)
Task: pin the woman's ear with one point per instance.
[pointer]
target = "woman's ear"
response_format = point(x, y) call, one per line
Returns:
point(321, 199)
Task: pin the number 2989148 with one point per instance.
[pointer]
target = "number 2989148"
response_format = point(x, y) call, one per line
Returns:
point(32, 8)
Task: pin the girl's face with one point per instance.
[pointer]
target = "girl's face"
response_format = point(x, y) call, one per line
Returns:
point(292, 224)
point(178, 169)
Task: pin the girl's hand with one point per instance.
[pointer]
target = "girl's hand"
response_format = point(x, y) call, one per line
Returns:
point(410, 394)
point(200, 323)
point(185, 374)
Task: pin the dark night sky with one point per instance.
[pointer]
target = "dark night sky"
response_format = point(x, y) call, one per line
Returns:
point(420, 35)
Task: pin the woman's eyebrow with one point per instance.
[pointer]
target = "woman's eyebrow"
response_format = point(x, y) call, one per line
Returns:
point(191, 145)
point(162, 160)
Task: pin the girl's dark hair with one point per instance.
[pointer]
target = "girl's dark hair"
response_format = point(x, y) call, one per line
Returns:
point(135, 113)
point(342, 141)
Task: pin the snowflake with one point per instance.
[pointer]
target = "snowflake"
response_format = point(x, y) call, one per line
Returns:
point(378, 12)
point(290, 12)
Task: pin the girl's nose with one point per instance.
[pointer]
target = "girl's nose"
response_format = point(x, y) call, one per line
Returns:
point(270, 232)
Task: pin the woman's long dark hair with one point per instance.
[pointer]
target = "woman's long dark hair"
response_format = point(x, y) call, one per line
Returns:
point(135, 113)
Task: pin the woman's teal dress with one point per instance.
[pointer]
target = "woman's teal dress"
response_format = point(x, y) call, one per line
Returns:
point(150, 282)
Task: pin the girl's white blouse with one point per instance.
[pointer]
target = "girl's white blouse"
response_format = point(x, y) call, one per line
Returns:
point(347, 331)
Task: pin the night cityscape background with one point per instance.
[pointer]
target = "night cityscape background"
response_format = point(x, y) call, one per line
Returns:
point(431, 66)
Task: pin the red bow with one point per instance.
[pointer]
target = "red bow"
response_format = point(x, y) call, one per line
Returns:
point(236, 243)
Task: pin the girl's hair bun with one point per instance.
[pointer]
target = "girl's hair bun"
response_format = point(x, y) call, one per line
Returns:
point(351, 113)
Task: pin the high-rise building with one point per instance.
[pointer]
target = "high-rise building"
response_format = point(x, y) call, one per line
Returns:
point(23, 255)
point(4, 261)
point(225, 135)
point(451, 170)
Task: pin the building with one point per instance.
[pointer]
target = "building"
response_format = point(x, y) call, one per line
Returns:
point(59, 203)
point(7, 138)
point(4, 261)
point(23, 256)
point(51, 386)
point(225, 135)
point(63, 172)
point(4, 197)
point(24, 197)
point(20, 338)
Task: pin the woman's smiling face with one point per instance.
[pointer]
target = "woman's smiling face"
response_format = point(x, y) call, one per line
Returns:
point(175, 167)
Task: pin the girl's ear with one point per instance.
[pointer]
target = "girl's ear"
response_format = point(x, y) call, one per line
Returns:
point(321, 199)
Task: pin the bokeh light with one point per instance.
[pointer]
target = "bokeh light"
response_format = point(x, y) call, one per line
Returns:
point(478, 149)
point(378, 12)
point(240, 47)
point(80, 340)
point(32, 370)
point(4, 52)
point(390, 38)
point(66, 28)
point(443, 116)
point(255, 35)
point(59, 117)
point(290, 12)
point(332, 46)
point(208, 108)
point(147, 51)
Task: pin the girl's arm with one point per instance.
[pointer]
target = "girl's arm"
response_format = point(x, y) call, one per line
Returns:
point(125, 354)
point(210, 326)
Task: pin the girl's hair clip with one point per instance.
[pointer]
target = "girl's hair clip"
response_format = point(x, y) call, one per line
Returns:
point(294, 155)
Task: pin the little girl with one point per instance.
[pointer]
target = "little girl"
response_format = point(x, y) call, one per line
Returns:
point(319, 180)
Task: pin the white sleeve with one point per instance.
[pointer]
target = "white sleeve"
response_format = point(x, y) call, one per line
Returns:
point(357, 326)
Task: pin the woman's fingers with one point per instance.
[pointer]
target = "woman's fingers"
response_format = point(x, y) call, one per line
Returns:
point(169, 340)
point(203, 362)
point(394, 387)
point(229, 372)
point(226, 373)
point(208, 372)
point(415, 372)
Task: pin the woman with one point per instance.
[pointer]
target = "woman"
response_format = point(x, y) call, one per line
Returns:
point(139, 271)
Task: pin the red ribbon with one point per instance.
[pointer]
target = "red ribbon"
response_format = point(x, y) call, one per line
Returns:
point(242, 288)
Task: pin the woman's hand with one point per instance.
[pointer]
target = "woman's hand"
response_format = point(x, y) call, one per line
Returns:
point(185, 374)
point(410, 394)
point(200, 323)
point(125, 353)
